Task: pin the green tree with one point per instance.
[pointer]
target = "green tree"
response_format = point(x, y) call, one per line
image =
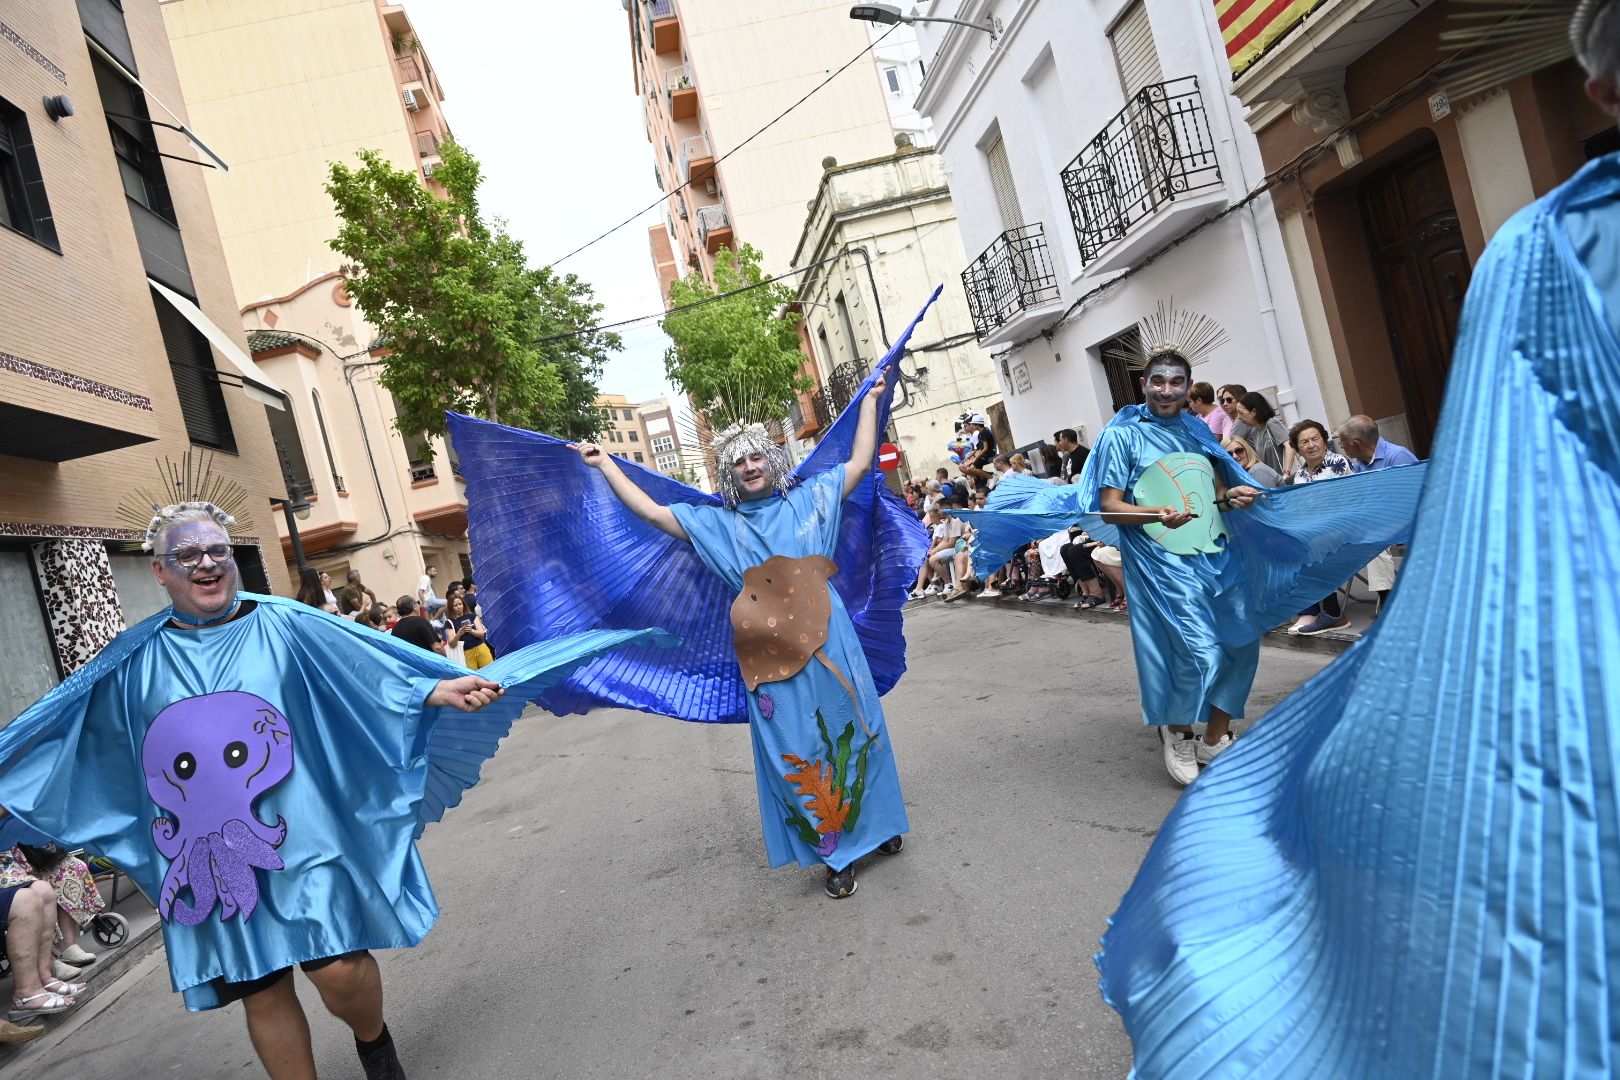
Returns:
point(469, 326)
point(737, 358)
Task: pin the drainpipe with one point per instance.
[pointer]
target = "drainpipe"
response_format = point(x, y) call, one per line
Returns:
point(1249, 225)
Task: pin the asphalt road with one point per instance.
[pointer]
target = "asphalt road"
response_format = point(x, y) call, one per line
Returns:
point(608, 913)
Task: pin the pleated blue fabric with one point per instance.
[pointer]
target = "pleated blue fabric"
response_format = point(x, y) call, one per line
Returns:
point(365, 765)
point(557, 552)
point(1411, 867)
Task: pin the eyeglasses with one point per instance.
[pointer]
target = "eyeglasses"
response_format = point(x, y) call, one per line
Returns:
point(191, 557)
point(1228, 401)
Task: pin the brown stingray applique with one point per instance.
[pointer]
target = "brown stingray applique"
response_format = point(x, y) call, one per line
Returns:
point(779, 621)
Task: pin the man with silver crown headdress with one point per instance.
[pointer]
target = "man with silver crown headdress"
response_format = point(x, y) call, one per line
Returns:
point(1414, 855)
point(1175, 556)
point(829, 792)
point(261, 770)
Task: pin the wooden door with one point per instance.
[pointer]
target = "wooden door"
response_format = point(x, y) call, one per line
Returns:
point(1423, 270)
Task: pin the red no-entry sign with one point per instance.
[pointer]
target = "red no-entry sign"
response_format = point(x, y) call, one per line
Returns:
point(888, 457)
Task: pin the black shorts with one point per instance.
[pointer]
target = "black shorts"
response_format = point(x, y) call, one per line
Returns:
point(236, 991)
point(7, 895)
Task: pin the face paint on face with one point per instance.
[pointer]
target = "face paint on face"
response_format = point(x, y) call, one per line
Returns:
point(201, 591)
point(1166, 385)
point(753, 475)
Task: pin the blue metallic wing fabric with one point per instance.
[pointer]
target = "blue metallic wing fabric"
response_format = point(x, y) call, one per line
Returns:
point(1411, 867)
point(367, 765)
point(556, 552)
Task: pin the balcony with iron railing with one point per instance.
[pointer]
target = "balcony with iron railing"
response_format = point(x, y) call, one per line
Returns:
point(714, 227)
point(1148, 176)
point(427, 146)
point(682, 95)
point(697, 159)
point(1011, 288)
point(663, 27)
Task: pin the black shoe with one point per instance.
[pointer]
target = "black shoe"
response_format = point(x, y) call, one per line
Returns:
point(841, 883)
point(380, 1062)
point(892, 845)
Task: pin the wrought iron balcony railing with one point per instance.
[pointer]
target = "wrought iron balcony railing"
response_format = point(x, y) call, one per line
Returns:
point(423, 470)
point(1014, 274)
point(1156, 149)
point(842, 383)
point(660, 9)
point(676, 78)
point(711, 219)
point(694, 148)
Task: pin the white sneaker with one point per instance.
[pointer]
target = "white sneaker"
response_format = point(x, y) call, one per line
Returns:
point(1208, 753)
point(914, 594)
point(988, 593)
point(1180, 755)
point(932, 590)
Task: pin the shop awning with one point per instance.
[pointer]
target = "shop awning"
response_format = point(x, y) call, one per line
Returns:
point(255, 383)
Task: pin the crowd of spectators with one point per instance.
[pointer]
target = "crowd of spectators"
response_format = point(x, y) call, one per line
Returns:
point(452, 626)
point(1073, 564)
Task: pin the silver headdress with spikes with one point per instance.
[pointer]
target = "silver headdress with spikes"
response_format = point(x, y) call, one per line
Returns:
point(744, 440)
point(1172, 331)
point(183, 488)
point(1497, 41)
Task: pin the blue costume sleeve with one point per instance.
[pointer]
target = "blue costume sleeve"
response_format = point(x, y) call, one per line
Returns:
point(558, 552)
point(1413, 855)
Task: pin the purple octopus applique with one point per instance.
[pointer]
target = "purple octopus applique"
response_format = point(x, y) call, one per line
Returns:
point(206, 760)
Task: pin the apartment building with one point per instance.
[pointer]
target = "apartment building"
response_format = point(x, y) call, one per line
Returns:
point(1391, 189)
point(1100, 167)
point(380, 503)
point(119, 341)
point(624, 432)
point(712, 73)
point(895, 218)
point(672, 454)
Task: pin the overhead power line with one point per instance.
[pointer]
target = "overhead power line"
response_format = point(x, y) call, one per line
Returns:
point(770, 124)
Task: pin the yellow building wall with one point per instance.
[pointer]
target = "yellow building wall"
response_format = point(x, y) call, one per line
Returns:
point(283, 88)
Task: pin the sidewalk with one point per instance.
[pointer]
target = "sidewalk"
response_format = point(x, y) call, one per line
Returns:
point(143, 947)
point(1335, 641)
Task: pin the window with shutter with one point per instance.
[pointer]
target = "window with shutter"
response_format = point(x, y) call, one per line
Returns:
point(196, 379)
point(1001, 183)
point(1134, 51)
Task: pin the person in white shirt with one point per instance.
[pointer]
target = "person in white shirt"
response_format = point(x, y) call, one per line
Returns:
point(425, 596)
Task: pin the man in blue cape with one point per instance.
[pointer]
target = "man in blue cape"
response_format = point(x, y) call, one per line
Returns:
point(1414, 855)
point(261, 769)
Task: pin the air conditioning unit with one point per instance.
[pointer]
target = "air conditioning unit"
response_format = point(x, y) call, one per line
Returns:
point(680, 208)
point(410, 101)
point(711, 187)
point(428, 170)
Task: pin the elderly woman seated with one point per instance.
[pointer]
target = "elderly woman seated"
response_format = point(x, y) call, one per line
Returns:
point(32, 857)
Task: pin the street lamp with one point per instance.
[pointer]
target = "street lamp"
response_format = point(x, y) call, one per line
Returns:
point(296, 508)
point(888, 15)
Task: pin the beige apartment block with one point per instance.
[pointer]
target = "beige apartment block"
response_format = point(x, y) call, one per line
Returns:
point(101, 374)
point(380, 503)
point(674, 452)
point(291, 86)
point(624, 434)
point(894, 219)
point(711, 73)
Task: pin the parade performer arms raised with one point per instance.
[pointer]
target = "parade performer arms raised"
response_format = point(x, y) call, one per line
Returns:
point(261, 769)
point(828, 789)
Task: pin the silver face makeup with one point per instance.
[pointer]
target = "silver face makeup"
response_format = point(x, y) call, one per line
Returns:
point(205, 589)
point(1166, 385)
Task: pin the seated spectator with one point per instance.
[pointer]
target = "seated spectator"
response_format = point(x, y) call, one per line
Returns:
point(1051, 462)
point(1368, 450)
point(979, 499)
point(1073, 455)
point(375, 616)
point(940, 539)
point(1076, 555)
point(1112, 566)
point(981, 450)
point(1201, 403)
point(73, 886)
point(1312, 458)
point(1267, 434)
point(960, 562)
point(354, 597)
point(947, 488)
point(415, 629)
point(1244, 455)
point(26, 915)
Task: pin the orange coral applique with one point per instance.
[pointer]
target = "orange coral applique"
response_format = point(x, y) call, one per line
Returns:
point(814, 778)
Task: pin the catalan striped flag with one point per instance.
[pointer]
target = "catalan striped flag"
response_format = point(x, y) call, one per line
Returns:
point(1250, 26)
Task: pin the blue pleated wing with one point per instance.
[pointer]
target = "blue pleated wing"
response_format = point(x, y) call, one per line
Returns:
point(556, 552)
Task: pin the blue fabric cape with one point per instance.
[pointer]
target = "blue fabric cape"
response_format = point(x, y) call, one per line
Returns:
point(558, 552)
point(370, 767)
point(1411, 867)
point(1292, 548)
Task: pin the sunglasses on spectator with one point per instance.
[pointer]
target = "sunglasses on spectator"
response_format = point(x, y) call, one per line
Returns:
point(1228, 401)
point(191, 557)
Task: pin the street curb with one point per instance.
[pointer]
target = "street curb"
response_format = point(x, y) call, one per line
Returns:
point(109, 980)
point(1331, 642)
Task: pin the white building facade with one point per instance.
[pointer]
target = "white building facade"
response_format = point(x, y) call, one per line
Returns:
point(898, 56)
point(1098, 167)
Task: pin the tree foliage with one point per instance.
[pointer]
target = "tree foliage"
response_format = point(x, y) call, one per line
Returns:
point(737, 358)
point(469, 326)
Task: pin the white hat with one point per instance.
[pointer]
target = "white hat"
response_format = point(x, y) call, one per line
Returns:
point(978, 418)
